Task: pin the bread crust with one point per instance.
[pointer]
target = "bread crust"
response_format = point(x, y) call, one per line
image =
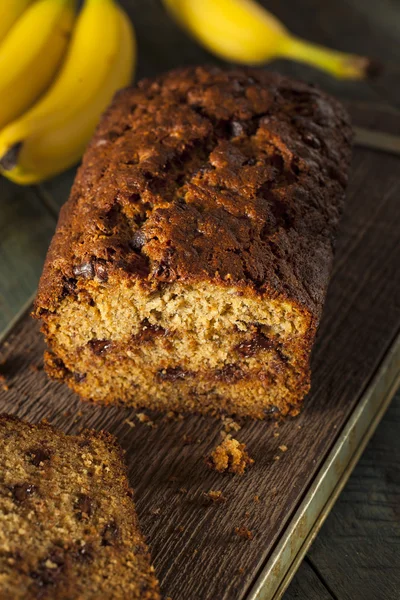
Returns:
point(235, 176)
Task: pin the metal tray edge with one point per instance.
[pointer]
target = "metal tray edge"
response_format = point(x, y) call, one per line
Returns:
point(330, 480)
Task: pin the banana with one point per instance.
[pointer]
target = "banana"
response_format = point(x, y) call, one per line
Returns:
point(10, 11)
point(53, 135)
point(31, 54)
point(243, 31)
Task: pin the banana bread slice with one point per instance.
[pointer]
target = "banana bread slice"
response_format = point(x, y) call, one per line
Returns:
point(191, 262)
point(68, 527)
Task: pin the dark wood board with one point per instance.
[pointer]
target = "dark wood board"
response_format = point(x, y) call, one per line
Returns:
point(194, 546)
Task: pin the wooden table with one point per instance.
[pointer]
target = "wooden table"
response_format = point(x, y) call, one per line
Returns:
point(357, 553)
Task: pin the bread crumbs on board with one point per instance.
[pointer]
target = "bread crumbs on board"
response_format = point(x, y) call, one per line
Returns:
point(244, 532)
point(230, 456)
point(215, 496)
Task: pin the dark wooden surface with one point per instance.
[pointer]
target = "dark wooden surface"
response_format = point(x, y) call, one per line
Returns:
point(357, 554)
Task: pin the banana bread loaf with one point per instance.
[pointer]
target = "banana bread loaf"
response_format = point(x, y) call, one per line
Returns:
point(191, 262)
point(68, 527)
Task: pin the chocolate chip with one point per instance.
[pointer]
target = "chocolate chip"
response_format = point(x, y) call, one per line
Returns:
point(91, 269)
point(271, 410)
point(250, 347)
point(163, 272)
point(85, 270)
point(98, 347)
point(172, 374)
point(69, 287)
point(138, 240)
point(101, 271)
point(110, 534)
point(84, 506)
point(46, 575)
point(79, 377)
point(237, 128)
point(39, 456)
point(84, 554)
point(229, 373)
point(22, 491)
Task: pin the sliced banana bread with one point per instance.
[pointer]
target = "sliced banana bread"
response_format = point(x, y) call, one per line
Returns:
point(190, 264)
point(68, 527)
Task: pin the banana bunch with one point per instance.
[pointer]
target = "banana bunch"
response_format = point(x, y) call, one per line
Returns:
point(55, 91)
point(243, 31)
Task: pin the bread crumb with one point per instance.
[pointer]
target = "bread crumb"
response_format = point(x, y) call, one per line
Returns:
point(277, 457)
point(230, 425)
point(256, 498)
point(243, 532)
point(195, 551)
point(283, 448)
point(230, 456)
point(173, 416)
point(298, 426)
point(130, 423)
point(276, 434)
point(155, 511)
point(241, 570)
point(182, 490)
point(215, 496)
point(145, 419)
point(180, 529)
point(5, 387)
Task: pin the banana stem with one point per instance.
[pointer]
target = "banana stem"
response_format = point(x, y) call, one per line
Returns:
point(339, 64)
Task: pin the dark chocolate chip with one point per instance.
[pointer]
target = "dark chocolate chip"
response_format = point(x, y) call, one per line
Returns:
point(85, 270)
point(172, 374)
point(163, 272)
point(80, 377)
point(138, 240)
point(258, 342)
point(110, 534)
point(229, 374)
point(22, 491)
point(39, 456)
point(237, 128)
point(84, 554)
point(69, 287)
point(44, 575)
point(84, 506)
point(101, 271)
point(91, 269)
point(271, 410)
point(98, 347)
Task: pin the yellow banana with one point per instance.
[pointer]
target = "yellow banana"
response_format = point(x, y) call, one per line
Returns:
point(53, 135)
point(31, 54)
point(243, 31)
point(10, 11)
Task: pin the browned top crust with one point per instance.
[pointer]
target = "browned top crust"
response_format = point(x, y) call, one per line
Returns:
point(202, 173)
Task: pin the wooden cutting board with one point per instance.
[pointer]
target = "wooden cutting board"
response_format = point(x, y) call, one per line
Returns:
point(196, 551)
